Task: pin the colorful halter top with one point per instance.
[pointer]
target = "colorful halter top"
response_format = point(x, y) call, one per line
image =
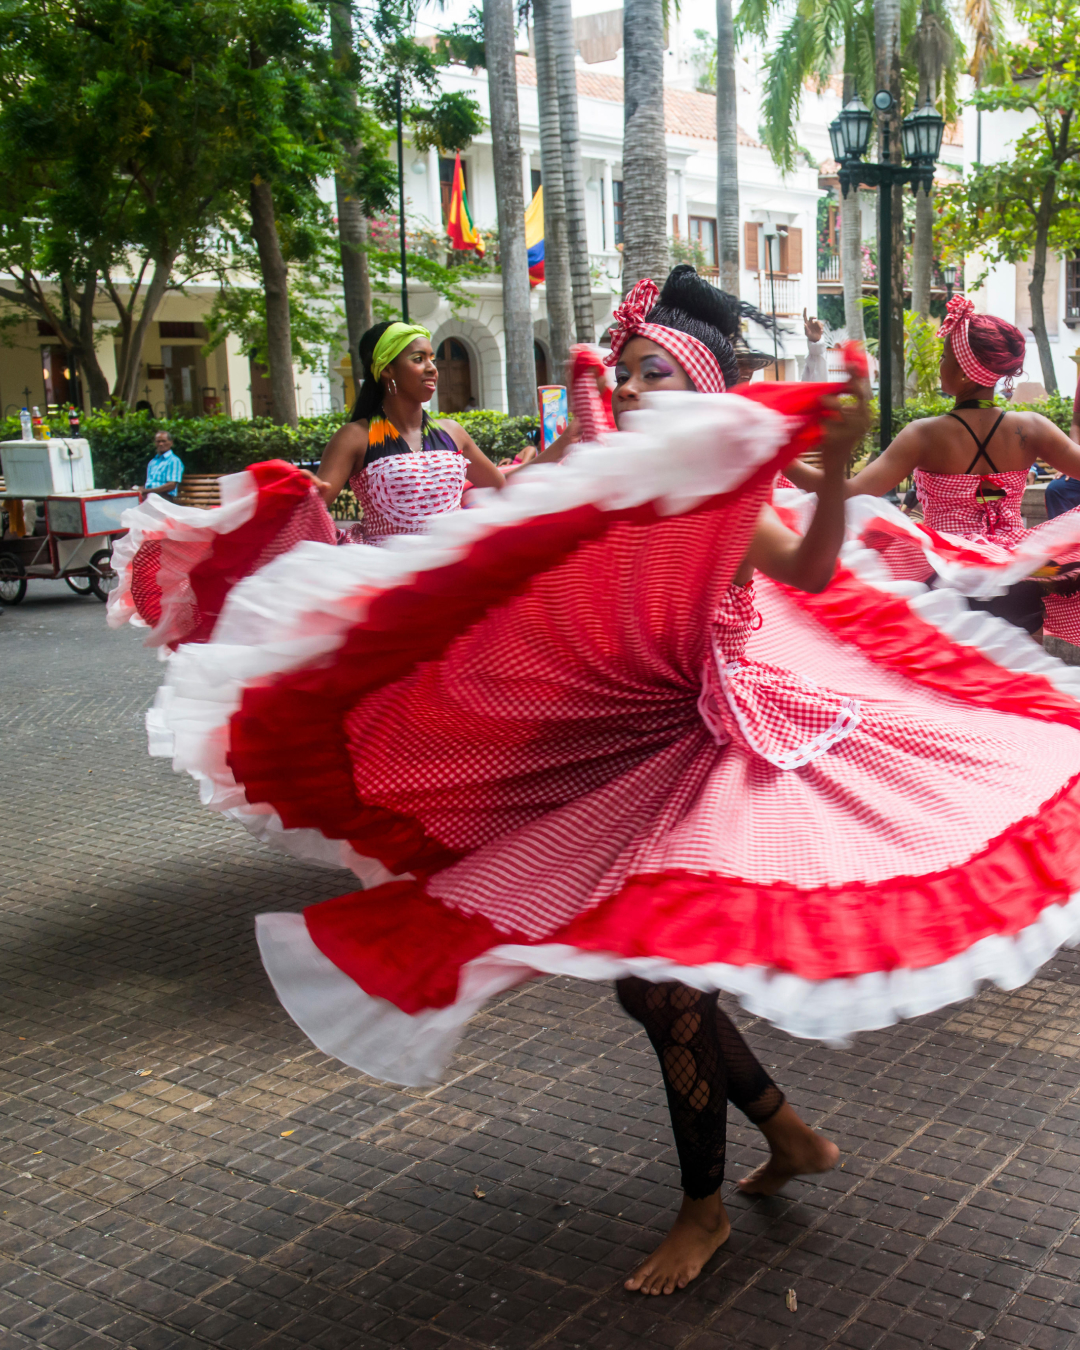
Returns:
point(399, 488)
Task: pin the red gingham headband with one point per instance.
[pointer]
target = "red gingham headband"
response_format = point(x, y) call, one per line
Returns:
point(694, 357)
point(957, 323)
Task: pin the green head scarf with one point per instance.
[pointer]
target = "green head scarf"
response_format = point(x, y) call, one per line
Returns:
point(392, 343)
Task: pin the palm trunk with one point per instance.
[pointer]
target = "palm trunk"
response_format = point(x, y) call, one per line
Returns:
point(513, 255)
point(727, 155)
point(645, 246)
point(851, 234)
point(1035, 289)
point(275, 279)
point(352, 227)
point(557, 286)
point(891, 251)
point(564, 46)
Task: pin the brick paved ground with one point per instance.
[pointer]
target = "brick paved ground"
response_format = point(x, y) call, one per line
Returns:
point(178, 1167)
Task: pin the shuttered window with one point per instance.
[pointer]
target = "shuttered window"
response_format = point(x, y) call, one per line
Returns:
point(791, 251)
point(750, 245)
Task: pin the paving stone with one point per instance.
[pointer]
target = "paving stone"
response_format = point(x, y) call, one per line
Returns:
point(150, 1197)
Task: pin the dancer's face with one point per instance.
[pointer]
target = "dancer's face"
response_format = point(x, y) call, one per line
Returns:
point(644, 367)
point(414, 372)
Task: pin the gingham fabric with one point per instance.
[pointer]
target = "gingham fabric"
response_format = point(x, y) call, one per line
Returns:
point(694, 357)
point(957, 324)
point(399, 492)
point(956, 503)
point(591, 410)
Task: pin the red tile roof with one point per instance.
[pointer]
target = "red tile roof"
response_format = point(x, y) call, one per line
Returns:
point(685, 113)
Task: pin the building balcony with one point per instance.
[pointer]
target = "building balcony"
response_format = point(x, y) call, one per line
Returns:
point(787, 291)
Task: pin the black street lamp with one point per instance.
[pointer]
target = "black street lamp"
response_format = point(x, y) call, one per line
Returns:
point(921, 134)
point(948, 274)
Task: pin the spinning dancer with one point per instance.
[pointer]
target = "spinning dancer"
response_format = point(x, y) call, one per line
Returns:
point(970, 469)
point(560, 734)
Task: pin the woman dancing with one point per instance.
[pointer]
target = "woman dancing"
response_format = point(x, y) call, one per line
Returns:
point(834, 799)
point(970, 467)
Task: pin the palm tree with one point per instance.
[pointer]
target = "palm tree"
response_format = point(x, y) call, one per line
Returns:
point(352, 227)
point(645, 233)
point(561, 32)
point(727, 159)
point(499, 46)
point(557, 286)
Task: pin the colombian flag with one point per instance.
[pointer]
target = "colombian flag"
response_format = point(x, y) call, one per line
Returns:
point(534, 237)
point(459, 226)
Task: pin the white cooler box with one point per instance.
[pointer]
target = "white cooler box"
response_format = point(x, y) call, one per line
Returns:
point(82, 514)
point(40, 468)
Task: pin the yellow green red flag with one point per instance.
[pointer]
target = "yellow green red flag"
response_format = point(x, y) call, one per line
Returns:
point(459, 225)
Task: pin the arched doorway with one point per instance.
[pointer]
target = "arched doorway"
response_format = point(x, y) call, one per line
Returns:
point(455, 377)
point(540, 357)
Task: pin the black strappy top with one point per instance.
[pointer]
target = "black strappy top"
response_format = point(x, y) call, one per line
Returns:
point(980, 451)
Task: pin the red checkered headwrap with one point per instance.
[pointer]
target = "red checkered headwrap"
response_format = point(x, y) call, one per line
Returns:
point(694, 357)
point(957, 324)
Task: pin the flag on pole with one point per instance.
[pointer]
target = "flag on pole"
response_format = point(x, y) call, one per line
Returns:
point(459, 226)
point(534, 237)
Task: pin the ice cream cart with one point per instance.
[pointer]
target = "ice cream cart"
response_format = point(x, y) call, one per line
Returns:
point(72, 536)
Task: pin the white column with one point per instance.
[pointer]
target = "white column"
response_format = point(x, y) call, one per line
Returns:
point(526, 176)
point(684, 217)
point(609, 208)
point(434, 190)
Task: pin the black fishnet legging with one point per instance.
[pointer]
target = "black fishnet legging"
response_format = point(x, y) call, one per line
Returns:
point(706, 1064)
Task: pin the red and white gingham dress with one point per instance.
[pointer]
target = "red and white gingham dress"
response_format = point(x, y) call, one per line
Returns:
point(953, 503)
point(399, 493)
point(573, 746)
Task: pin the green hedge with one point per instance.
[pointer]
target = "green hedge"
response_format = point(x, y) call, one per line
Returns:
point(122, 446)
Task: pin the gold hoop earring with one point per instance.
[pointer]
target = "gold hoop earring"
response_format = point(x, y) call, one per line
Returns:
point(391, 387)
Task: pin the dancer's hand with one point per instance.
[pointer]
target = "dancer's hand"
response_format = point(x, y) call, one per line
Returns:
point(812, 327)
point(846, 427)
point(320, 483)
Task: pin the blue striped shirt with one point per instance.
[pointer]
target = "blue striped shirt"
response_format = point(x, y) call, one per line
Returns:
point(164, 468)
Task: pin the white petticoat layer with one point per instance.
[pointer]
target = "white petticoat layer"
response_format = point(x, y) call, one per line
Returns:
point(379, 1039)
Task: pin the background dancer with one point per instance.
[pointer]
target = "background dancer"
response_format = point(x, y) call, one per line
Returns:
point(970, 467)
point(403, 466)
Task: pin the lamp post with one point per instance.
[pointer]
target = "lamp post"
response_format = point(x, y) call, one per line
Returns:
point(770, 240)
point(921, 133)
point(948, 273)
point(401, 205)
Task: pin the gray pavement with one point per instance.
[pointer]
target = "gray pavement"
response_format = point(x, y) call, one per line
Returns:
point(179, 1167)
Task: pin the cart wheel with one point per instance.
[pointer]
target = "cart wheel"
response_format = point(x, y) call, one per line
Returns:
point(80, 585)
point(12, 579)
point(103, 578)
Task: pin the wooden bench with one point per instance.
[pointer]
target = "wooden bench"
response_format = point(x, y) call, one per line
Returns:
point(199, 489)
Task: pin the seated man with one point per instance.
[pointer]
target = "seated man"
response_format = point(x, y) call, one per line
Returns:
point(165, 470)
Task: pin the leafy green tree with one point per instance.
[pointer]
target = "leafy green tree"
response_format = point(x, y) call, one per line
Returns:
point(1029, 202)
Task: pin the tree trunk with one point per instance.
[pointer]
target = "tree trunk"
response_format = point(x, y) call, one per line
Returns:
point(77, 338)
point(851, 226)
point(557, 286)
point(645, 227)
point(891, 251)
point(275, 279)
point(727, 156)
point(565, 46)
point(126, 389)
point(352, 227)
point(509, 194)
point(1035, 290)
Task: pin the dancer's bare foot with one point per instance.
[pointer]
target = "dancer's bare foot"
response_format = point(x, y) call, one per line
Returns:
point(795, 1151)
point(701, 1227)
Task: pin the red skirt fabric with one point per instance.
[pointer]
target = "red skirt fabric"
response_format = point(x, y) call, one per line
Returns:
point(528, 727)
